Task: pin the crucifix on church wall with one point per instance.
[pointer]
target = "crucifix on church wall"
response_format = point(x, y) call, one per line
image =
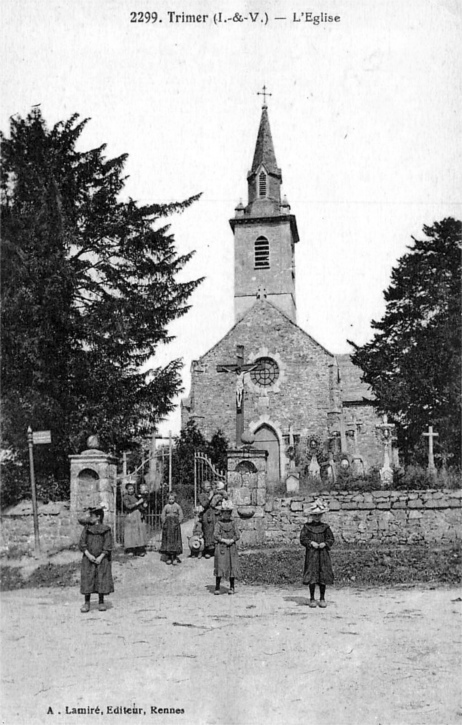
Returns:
point(240, 369)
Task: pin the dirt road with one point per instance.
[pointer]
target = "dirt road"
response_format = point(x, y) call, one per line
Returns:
point(262, 656)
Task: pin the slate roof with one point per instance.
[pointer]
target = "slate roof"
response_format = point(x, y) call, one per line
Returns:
point(264, 149)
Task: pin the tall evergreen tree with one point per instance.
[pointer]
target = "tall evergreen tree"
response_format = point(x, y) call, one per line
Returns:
point(413, 363)
point(89, 287)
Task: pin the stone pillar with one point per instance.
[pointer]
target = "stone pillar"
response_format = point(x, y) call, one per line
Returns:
point(246, 478)
point(93, 479)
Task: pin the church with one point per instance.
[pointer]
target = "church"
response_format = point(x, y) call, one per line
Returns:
point(267, 375)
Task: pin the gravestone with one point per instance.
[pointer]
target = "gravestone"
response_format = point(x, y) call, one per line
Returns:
point(293, 482)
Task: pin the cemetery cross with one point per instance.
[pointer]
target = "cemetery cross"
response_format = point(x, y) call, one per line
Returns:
point(430, 435)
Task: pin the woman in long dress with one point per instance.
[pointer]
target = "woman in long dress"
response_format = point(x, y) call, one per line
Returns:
point(171, 517)
point(135, 539)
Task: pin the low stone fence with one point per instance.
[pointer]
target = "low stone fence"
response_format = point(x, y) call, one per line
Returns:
point(55, 528)
point(378, 517)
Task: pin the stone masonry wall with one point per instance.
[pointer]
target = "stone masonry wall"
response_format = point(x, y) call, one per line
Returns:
point(55, 528)
point(379, 517)
point(303, 399)
point(278, 279)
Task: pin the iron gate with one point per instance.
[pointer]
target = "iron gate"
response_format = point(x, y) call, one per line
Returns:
point(151, 482)
point(204, 470)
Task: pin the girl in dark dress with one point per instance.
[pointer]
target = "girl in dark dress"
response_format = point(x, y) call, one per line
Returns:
point(211, 502)
point(226, 556)
point(171, 518)
point(318, 539)
point(96, 570)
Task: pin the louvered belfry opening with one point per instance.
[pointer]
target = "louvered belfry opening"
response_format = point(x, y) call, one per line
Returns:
point(262, 184)
point(262, 260)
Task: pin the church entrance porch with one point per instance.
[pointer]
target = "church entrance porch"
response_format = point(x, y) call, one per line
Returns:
point(267, 440)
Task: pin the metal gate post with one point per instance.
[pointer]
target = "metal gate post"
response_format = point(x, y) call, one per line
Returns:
point(195, 483)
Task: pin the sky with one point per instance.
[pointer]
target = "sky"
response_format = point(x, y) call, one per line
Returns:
point(364, 113)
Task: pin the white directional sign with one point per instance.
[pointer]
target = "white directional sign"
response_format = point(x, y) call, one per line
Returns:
point(41, 436)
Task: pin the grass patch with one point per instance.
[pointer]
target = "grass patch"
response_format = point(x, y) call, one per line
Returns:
point(353, 566)
point(357, 566)
point(47, 575)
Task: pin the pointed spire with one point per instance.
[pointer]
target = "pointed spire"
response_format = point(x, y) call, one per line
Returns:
point(264, 178)
point(264, 150)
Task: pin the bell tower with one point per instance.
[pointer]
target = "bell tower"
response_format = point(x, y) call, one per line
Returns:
point(265, 233)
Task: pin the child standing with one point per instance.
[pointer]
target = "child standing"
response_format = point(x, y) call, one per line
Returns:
point(171, 518)
point(144, 494)
point(318, 539)
point(226, 556)
point(96, 570)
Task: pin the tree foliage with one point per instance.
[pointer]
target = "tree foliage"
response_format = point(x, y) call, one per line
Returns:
point(89, 287)
point(413, 362)
point(187, 443)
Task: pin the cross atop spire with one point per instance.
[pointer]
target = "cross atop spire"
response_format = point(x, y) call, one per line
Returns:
point(264, 150)
point(264, 93)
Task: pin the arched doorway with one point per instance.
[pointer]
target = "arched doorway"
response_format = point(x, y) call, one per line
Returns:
point(267, 440)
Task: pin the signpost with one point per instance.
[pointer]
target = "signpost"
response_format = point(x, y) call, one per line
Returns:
point(37, 437)
point(41, 436)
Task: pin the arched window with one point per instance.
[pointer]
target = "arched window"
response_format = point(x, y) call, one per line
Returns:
point(262, 260)
point(262, 184)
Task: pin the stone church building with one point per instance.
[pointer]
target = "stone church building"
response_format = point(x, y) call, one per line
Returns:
point(294, 391)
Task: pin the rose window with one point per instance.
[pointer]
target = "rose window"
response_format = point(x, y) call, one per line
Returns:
point(266, 373)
